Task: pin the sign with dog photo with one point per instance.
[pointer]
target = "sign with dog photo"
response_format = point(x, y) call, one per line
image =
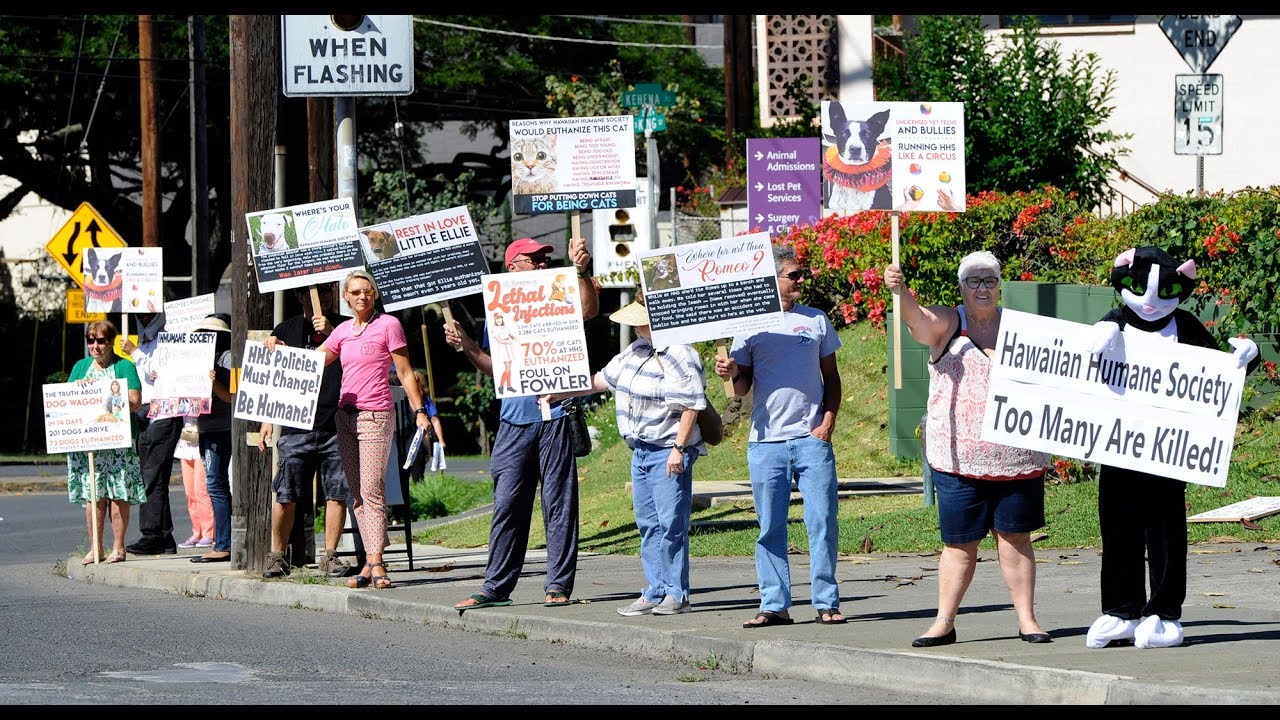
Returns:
point(710, 290)
point(124, 280)
point(893, 156)
point(304, 245)
point(425, 258)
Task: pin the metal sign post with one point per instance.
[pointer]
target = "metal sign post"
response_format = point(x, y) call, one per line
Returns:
point(1197, 102)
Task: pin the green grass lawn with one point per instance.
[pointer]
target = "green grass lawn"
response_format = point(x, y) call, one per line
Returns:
point(889, 523)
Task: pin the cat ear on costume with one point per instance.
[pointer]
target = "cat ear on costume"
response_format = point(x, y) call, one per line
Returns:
point(1188, 269)
point(1126, 258)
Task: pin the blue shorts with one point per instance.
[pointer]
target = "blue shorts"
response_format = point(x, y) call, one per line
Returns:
point(304, 454)
point(969, 508)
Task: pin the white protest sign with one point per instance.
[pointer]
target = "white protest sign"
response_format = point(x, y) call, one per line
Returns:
point(124, 280)
point(184, 315)
point(425, 258)
point(87, 415)
point(1149, 404)
point(303, 245)
point(536, 337)
point(893, 156)
point(281, 386)
point(711, 290)
point(573, 163)
point(182, 362)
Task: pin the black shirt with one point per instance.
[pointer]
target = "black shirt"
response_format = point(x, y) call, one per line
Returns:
point(298, 332)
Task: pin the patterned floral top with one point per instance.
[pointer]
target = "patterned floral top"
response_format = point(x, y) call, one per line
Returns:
point(117, 471)
point(957, 401)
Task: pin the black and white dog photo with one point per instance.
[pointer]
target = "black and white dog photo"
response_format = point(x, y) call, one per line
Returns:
point(857, 166)
point(102, 282)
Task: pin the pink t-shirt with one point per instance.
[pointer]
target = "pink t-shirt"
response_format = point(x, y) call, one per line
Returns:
point(366, 361)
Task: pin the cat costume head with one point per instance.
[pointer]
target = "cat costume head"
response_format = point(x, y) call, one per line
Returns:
point(1152, 285)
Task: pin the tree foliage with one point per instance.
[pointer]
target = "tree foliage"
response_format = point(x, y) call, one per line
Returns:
point(1031, 115)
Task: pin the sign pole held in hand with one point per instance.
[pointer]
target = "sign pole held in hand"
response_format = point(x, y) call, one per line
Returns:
point(315, 302)
point(93, 510)
point(448, 320)
point(722, 352)
point(897, 314)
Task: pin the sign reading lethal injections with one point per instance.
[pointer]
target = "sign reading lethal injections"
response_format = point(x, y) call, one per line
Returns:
point(1147, 404)
point(281, 386)
point(322, 59)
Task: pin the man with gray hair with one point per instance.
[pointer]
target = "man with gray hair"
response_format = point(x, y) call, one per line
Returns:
point(793, 415)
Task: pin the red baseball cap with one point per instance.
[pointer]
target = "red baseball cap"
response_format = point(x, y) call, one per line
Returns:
point(526, 246)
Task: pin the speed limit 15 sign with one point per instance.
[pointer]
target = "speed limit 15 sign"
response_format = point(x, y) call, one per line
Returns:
point(1197, 115)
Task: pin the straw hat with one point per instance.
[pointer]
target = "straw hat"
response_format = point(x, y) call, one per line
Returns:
point(214, 323)
point(634, 314)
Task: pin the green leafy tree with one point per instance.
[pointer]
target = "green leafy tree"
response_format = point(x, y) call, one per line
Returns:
point(1030, 114)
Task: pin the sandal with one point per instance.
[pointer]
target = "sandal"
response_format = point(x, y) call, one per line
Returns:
point(480, 600)
point(767, 618)
point(556, 598)
point(826, 616)
point(361, 580)
point(380, 582)
point(116, 556)
point(88, 558)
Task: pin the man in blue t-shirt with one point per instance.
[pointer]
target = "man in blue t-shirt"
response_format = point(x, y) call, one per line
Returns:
point(793, 415)
point(526, 452)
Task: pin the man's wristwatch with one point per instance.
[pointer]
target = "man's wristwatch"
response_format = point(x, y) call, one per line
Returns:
point(421, 411)
point(679, 448)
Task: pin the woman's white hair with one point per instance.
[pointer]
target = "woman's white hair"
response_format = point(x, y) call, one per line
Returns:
point(362, 274)
point(975, 260)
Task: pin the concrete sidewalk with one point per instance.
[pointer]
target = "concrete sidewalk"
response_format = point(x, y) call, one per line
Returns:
point(1231, 618)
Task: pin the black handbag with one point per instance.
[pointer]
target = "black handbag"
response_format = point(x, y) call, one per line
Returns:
point(577, 419)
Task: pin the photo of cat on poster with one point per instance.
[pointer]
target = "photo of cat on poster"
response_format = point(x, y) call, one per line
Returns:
point(533, 164)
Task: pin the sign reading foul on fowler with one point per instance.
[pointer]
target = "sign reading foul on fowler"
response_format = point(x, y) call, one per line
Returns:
point(1147, 405)
point(321, 58)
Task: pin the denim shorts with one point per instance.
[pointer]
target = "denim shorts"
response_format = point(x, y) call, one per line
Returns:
point(969, 508)
point(304, 454)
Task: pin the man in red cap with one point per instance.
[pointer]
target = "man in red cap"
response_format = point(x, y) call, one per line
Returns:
point(528, 452)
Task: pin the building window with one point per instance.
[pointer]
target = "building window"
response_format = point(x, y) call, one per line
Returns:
point(1006, 21)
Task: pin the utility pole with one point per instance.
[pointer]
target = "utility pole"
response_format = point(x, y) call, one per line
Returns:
point(199, 160)
point(738, 102)
point(255, 92)
point(320, 136)
point(150, 145)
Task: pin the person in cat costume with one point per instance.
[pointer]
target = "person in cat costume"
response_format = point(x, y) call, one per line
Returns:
point(1141, 512)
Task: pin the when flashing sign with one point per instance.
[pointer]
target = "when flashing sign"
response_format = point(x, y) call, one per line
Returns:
point(322, 59)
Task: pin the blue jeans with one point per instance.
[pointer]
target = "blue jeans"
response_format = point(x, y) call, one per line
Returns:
point(772, 465)
point(662, 505)
point(215, 448)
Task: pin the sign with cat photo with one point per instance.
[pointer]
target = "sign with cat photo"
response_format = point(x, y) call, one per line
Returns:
point(893, 156)
point(536, 339)
point(123, 280)
point(574, 163)
point(425, 258)
point(711, 290)
point(304, 245)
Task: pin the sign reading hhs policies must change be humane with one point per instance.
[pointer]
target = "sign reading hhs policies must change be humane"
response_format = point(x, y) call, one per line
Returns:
point(332, 55)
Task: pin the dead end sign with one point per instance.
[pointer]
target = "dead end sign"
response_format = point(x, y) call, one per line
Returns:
point(1199, 38)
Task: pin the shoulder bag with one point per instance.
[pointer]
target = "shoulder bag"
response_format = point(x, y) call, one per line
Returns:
point(578, 434)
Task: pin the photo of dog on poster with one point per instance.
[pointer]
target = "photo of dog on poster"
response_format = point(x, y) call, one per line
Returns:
point(857, 169)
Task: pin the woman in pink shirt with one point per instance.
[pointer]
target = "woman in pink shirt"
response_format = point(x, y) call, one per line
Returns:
point(367, 345)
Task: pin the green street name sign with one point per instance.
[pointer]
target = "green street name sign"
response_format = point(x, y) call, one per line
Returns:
point(650, 94)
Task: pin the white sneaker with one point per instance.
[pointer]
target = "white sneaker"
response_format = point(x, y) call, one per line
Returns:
point(1156, 632)
point(639, 607)
point(1108, 628)
point(671, 606)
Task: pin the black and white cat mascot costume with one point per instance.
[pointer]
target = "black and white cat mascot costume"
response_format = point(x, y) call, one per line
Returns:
point(1138, 511)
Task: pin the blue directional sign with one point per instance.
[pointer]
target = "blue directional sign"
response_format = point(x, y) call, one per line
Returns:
point(784, 183)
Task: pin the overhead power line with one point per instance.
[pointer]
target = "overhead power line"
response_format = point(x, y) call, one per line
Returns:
point(552, 38)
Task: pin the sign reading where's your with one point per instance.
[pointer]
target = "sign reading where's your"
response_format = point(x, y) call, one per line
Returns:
point(536, 340)
point(711, 290)
point(574, 163)
point(425, 258)
point(124, 280)
point(279, 386)
point(1146, 405)
point(893, 156)
point(304, 245)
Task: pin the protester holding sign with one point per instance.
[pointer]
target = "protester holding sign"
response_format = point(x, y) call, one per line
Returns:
point(117, 474)
point(215, 441)
point(367, 345)
point(157, 440)
point(529, 452)
point(981, 486)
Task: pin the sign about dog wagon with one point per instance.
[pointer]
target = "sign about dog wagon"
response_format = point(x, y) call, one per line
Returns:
point(536, 337)
point(87, 415)
point(123, 280)
point(711, 290)
point(425, 258)
point(279, 386)
point(304, 245)
point(893, 156)
point(574, 163)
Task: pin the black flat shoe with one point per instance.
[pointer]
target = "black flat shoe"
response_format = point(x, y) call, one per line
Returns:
point(1034, 637)
point(947, 639)
point(204, 559)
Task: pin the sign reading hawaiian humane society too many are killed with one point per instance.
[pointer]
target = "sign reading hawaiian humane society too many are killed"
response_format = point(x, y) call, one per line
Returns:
point(87, 415)
point(575, 163)
point(711, 290)
point(1148, 404)
point(534, 324)
point(425, 258)
point(303, 245)
point(279, 386)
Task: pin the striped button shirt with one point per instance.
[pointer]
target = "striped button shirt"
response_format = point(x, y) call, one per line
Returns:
point(652, 388)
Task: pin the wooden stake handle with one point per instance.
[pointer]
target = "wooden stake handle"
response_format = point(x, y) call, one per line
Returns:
point(448, 319)
point(722, 352)
point(897, 313)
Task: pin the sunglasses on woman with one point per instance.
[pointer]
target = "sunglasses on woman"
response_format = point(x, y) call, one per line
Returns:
point(793, 276)
point(97, 340)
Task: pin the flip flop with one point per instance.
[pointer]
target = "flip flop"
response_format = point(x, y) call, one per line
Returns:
point(557, 599)
point(482, 601)
point(770, 618)
point(824, 616)
point(116, 558)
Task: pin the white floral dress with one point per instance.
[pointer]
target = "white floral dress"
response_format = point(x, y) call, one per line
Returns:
point(119, 476)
